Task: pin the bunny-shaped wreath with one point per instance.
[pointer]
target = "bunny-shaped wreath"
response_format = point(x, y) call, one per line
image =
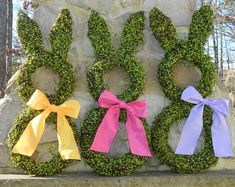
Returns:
point(31, 40)
point(107, 58)
point(191, 50)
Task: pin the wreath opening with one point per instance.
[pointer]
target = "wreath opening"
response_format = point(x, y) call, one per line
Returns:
point(65, 86)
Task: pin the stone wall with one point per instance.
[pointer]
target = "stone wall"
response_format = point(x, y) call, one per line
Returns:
point(81, 56)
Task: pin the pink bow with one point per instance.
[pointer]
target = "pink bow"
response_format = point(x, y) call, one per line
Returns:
point(109, 126)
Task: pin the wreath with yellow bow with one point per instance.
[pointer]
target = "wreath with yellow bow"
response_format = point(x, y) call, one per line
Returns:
point(48, 109)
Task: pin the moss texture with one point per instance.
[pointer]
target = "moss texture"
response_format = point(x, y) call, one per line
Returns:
point(60, 39)
point(31, 40)
point(106, 58)
point(189, 51)
point(30, 166)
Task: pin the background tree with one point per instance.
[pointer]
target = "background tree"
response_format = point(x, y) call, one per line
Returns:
point(5, 42)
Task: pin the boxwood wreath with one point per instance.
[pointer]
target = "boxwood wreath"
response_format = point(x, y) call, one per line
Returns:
point(107, 58)
point(30, 166)
point(191, 51)
point(32, 43)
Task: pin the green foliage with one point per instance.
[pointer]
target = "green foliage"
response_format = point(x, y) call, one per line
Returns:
point(107, 58)
point(181, 163)
point(201, 27)
point(30, 166)
point(162, 29)
point(60, 38)
point(31, 40)
point(189, 51)
point(102, 164)
point(100, 37)
point(30, 35)
point(61, 35)
point(65, 72)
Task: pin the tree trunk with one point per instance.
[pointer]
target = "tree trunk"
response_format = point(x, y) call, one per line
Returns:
point(9, 40)
point(3, 35)
point(5, 42)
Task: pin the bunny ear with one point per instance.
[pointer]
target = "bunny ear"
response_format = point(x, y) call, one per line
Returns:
point(201, 26)
point(163, 29)
point(132, 34)
point(61, 35)
point(29, 34)
point(100, 37)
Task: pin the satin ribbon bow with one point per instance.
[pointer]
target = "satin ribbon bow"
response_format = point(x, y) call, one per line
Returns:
point(32, 134)
point(109, 126)
point(191, 132)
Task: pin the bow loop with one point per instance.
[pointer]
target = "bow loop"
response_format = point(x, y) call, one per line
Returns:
point(138, 108)
point(70, 108)
point(219, 105)
point(191, 95)
point(107, 100)
point(38, 101)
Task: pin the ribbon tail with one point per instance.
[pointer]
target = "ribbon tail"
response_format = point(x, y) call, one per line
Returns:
point(191, 131)
point(106, 131)
point(137, 137)
point(68, 147)
point(31, 136)
point(221, 136)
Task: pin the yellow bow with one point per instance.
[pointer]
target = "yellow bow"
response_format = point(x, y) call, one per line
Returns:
point(32, 134)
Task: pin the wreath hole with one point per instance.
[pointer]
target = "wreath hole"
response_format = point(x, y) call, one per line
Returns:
point(185, 74)
point(46, 80)
point(41, 154)
point(116, 80)
point(175, 133)
point(120, 144)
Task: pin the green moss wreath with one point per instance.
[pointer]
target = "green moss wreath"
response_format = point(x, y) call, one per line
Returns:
point(103, 165)
point(32, 43)
point(30, 166)
point(192, 51)
point(107, 58)
point(188, 51)
point(31, 40)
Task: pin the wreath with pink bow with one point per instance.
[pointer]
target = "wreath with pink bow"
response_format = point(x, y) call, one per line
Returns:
point(99, 127)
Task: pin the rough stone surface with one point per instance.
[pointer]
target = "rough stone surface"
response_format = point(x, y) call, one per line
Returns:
point(81, 55)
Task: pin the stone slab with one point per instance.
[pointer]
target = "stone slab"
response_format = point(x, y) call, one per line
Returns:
point(146, 179)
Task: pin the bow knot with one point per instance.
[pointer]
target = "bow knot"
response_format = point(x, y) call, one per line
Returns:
point(53, 108)
point(109, 125)
point(206, 102)
point(122, 104)
point(33, 132)
point(220, 132)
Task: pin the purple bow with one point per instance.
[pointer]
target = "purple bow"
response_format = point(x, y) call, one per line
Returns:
point(220, 132)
